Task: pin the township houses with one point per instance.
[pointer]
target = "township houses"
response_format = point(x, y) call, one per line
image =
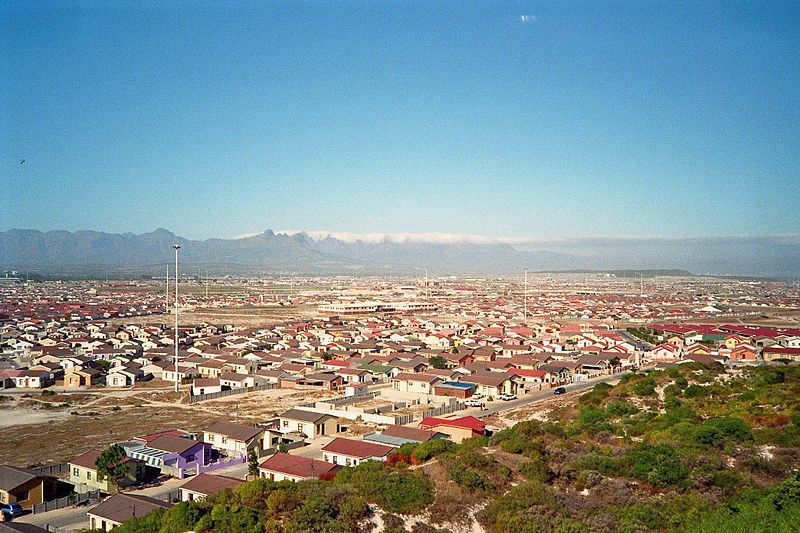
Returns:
point(308, 423)
point(80, 376)
point(665, 352)
point(415, 383)
point(456, 389)
point(457, 429)
point(206, 386)
point(33, 379)
point(773, 353)
point(84, 476)
point(532, 379)
point(398, 435)
point(203, 485)
point(25, 487)
point(282, 466)
point(185, 373)
point(493, 384)
point(234, 440)
point(350, 452)
point(119, 508)
point(172, 455)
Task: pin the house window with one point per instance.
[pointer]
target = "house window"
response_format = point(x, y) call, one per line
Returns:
point(22, 496)
point(348, 462)
point(76, 472)
point(88, 475)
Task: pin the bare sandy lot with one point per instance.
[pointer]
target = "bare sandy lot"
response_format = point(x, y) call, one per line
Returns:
point(33, 432)
point(26, 416)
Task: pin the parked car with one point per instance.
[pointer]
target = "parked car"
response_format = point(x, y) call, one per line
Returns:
point(477, 396)
point(12, 510)
point(508, 397)
point(559, 390)
point(472, 403)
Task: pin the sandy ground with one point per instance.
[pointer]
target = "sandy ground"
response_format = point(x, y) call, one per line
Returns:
point(35, 435)
point(27, 416)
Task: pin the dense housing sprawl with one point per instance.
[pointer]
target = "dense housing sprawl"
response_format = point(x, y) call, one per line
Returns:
point(358, 372)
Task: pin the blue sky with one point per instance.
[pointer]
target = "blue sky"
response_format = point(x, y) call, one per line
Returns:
point(535, 119)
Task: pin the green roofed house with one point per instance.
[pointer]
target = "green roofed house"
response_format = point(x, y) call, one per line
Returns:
point(381, 372)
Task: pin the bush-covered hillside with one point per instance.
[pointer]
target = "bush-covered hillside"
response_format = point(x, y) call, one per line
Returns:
point(690, 448)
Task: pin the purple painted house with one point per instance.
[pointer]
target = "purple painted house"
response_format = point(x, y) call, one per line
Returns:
point(176, 456)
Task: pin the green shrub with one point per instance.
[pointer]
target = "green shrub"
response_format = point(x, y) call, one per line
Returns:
point(617, 408)
point(535, 470)
point(695, 391)
point(645, 387)
point(395, 491)
point(657, 465)
point(716, 430)
point(429, 449)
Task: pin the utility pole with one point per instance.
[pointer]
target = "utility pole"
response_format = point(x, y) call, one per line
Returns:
point(427, 294)
point(525, 298)
point(177, 381)
point(166, 294)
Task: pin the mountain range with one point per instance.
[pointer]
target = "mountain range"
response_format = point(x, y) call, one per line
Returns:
point(93, 253)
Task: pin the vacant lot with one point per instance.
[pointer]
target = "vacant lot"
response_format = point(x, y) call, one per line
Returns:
point(44, 430)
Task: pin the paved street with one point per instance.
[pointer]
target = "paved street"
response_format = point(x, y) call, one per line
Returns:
point(498, 406)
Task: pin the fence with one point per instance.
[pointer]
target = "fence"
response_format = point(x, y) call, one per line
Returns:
point(222, 464)
point(443, 410)
point(214, 395)
point(51, 470)
point(67, 501)
point(286, 447)
point(171, 496)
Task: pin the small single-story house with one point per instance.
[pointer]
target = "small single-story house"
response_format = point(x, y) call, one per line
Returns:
point(82, 376)
point(457, 429)
point(185, 373)
point(493, 383)
point(84, 476)
point(176, 456)
point(25, 487)
point(283, 466)
point(399, 435)
point(308, 423)
point(327, 382)
point(206, 386)
point(415, 382)
point(350, 452)
point(234, 439)
point(117, 509)
point(33, 379)
point(455, 389)
point(204, 485)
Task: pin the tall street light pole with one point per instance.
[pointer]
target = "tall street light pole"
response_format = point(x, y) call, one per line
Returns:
point(177, 381)
point(525, 298)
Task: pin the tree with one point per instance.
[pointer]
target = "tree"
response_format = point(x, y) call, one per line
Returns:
point(252, 463)
point(437, 361)
point(112, 463)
